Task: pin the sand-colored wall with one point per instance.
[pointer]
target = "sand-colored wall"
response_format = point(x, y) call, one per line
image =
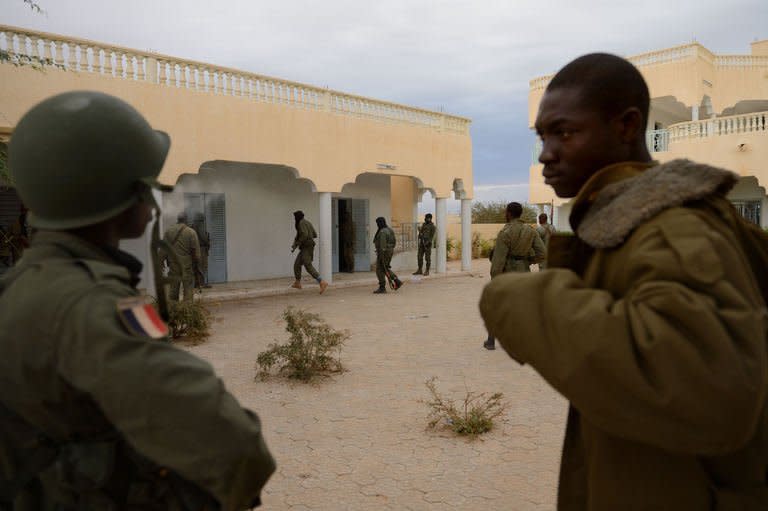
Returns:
point(404, 200)
point(328, 144)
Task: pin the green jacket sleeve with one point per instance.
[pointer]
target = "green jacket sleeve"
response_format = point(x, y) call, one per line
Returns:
point(304, 235)
point(677, 361)
point(500, 252)
point(193, 245)
point(168, 404)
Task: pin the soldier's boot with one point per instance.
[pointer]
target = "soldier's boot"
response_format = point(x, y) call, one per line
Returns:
point(419, 272)
point(398, 283)
point(323, 285)
point(296, 284)
point(380, 291)
point(489, 344)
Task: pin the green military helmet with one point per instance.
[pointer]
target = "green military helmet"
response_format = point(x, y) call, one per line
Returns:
point(82, 157)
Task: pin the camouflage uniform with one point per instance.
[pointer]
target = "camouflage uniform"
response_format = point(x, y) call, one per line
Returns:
point(183, 241)
point(305, 242)
point(385, 242)
point(426, 240)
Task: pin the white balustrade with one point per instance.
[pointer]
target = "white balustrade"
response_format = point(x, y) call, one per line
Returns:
point(86, 56)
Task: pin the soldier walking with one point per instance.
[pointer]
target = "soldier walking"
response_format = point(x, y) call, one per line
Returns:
point(518, 245)
point(385, 242)
point(426, 239)
point(204, 237)
point(305, 242)
point(184, 243)
point(96, 413)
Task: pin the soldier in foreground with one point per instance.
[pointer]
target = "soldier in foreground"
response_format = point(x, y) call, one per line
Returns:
point(186, 265)
point(649, 320)
point(384, 241)
point(517, 247)
point(305, 242)
point(96, 413)
point(426, 239)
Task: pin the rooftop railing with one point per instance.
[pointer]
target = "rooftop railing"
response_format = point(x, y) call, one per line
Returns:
point(679, 54)
point(84, 56)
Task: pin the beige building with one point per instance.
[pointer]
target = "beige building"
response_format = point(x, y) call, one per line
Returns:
point(706, 107)
point(247, 150)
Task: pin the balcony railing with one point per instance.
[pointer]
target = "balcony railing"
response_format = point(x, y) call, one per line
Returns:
point(659, 141)
point(83, 56)
point(677, 54)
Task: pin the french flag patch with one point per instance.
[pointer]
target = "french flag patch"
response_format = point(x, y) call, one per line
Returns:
point(141, 318)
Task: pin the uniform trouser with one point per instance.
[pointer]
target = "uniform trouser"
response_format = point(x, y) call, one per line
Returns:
point(185, 279)
point(304, 258)
point(383, 260)
point(424, 252)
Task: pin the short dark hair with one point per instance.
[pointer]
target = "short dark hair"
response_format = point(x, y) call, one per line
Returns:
point(515, 209)
point(607, 82)
point(543, 218)
point(428, 215)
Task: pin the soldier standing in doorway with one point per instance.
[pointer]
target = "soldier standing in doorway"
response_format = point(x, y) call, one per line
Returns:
point(204, 237)
point(109, 418)
point(385, 242)
point(518, 246)
point(183, 241)
point(305, 242)
point(426, 239)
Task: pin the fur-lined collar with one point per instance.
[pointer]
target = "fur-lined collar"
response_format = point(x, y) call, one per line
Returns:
point(622, 206)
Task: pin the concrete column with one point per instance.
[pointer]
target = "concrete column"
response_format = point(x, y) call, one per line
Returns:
point(326, 237)
point(466, 234)
point(441, 214)
point(695, 113)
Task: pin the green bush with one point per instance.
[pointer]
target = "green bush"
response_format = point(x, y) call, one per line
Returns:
point(474, 416)
point(188, 321)
point(481, 247)
point(494, 212)
point(450, 245)
point(314, 348)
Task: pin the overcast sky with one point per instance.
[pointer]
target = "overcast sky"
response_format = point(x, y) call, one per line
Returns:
point(471, 58)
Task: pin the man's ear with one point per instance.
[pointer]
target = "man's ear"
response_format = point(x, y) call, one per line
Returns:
point(630, 124)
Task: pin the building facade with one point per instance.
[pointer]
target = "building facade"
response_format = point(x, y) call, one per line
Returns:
point(705, 107)
point(247, 150)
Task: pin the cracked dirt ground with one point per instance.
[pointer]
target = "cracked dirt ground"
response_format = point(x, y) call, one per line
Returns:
point(357, 440)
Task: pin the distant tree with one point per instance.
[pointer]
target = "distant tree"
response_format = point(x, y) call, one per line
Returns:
point(5, 177)
point(494, 212)
point(21, 59)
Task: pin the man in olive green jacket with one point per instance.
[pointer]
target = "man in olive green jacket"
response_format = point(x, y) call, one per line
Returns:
point(649, 320)
point(97, 410)
point(384, 241)
point(305, 242)
point(517, 247)
point(183, 240)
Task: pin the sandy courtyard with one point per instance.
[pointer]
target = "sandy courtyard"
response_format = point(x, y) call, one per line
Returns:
point(358, 441)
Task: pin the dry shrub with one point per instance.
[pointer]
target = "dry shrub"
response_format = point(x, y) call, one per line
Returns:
point(188, 321)
point(314, 348)
point(474, 416)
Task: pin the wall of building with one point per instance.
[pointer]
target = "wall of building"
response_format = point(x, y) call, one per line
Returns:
point(260, 201)
point(404, 200)
point(328, 148)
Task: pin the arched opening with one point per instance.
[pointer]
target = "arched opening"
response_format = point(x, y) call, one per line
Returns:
point(247, 211)
point(750, 200)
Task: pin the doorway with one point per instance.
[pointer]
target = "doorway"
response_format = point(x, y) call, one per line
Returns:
point(350, 235)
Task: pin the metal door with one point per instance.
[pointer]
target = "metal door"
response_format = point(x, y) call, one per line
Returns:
point(212, 207)
point(335, 235)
